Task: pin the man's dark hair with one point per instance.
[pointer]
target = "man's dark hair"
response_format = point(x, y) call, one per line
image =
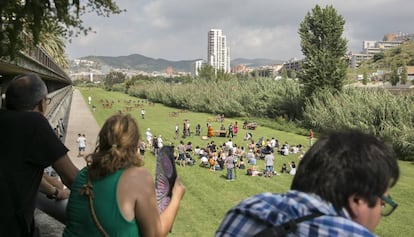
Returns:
point(344, 163)
point(25, 92)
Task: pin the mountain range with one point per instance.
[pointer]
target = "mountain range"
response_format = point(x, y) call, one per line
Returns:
point(147, 64)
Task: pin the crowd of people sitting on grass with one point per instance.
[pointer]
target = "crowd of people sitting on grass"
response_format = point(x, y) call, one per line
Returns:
point(217, 157)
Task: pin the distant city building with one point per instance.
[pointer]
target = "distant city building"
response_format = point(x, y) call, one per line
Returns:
point(399, 37)
point(87, 76)
point(197, 65)
point(241, 68)
point(84, 62)
point(269, 71)
point(371, 47)
point(293, 64)
point(355, 59)
point(218, 54)
point(410, 72)
point(170, 71)
point(375, 47)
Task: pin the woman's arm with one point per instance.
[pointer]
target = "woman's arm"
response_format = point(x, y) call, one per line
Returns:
point(169, 214)
point(151, 223)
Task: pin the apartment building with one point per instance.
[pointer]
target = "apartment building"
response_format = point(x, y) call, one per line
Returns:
point(218, 54)
point(374, 47)
point(293, 64)
point(370, 47)
point(197, 66)
point(355, 59)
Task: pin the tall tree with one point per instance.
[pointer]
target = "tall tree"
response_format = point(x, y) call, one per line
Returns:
point(284, 73)
point(404, 73)
point(365, 77)
point(324, 48)
point(113, 78)
point(207, 72)
point(17, 15)
point(223, 76)
point(293, 74)
point(395, 78)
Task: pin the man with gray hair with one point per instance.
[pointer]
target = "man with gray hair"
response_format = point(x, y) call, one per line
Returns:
point(27, 146)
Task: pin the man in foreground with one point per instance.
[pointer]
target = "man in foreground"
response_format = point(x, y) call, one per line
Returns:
point(28, 145)
point(341, 188)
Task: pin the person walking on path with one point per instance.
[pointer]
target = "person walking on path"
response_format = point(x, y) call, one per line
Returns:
point(79, 115)
point(82, 144)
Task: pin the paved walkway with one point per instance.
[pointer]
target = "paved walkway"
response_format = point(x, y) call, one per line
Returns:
point(82, 121)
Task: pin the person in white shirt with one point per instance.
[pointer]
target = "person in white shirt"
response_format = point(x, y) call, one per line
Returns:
point(229, 144)
point(269, 161)
point(148, 136)
point(204, 161)
point(82, 144)
point(292, 168)
point(272, 142)
point(160, 142)
point(197, 151)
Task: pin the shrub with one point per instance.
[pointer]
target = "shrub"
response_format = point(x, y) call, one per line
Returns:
point(375, 111)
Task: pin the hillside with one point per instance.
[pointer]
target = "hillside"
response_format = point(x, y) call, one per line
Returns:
point(397, 55)
point(140, 62)
point(147, 64)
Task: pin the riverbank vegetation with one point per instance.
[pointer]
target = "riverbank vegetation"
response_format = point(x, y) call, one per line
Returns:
point(280, 104)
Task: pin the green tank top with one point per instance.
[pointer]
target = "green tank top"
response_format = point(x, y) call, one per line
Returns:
point(79, 218)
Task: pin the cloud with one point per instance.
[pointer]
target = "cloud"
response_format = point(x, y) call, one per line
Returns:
point(177, 29)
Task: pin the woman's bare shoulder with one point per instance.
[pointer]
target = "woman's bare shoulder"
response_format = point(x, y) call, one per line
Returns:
point(138, 177)
point(140, 172)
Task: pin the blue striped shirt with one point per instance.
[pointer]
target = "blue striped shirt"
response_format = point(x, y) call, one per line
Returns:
point(267, 209)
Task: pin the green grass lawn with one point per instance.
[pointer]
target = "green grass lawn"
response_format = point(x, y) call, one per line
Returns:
point(208, 195)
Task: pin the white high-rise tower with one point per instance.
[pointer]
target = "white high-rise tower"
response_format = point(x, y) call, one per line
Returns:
point(218, 54)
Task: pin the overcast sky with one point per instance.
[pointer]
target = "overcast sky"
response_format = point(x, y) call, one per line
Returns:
point(177, 29)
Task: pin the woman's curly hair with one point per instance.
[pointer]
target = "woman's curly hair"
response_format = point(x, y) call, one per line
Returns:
point(117, 147)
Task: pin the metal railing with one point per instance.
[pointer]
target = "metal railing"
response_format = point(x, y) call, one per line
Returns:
point(39, 55)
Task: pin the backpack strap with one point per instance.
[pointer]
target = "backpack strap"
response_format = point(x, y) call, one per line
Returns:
point(287, 227)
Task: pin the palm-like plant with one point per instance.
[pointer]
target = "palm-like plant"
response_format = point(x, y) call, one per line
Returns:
point(53, 43)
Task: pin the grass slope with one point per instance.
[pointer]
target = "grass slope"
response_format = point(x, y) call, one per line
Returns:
point(208, 195)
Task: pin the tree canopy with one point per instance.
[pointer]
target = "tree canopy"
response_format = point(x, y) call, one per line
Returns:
point(324, 48)
point(34, 15)
point(113, 78)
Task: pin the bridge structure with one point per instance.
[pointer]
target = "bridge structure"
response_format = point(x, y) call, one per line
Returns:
point(33, 59)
